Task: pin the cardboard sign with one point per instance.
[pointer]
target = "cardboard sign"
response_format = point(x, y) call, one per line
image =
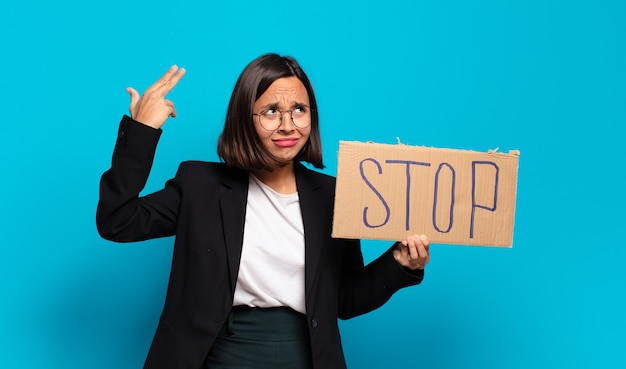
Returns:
point(387, 192)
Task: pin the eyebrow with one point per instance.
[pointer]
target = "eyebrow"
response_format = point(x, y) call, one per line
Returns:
point(275, 105)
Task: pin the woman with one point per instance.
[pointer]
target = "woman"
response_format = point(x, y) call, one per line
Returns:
point(256, 279)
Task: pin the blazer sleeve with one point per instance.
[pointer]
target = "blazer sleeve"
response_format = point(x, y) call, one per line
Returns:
point(122, 215)
point(366, 288)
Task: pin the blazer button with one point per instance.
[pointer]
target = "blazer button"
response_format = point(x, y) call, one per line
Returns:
point(314, 322)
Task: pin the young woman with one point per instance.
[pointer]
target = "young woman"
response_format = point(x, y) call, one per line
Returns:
point(256, 279)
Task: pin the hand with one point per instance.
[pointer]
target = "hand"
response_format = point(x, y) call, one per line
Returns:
point(414, 252)
point(153, 109)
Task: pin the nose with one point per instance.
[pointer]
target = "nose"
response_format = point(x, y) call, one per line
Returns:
point(286, 121)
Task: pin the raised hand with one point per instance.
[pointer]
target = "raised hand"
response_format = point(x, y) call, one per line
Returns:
point(153, 109)
point(413, 253)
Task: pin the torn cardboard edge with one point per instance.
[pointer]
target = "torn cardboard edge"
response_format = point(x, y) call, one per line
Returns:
point(387, 192)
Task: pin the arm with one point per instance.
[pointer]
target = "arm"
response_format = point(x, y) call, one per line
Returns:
point(364, 289)
point(122, 215)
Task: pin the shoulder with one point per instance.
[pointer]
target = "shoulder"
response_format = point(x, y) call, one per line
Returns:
point(203, 165)
point(205, 171)
point(314, 184)
point(312, 176)
point(211, 166)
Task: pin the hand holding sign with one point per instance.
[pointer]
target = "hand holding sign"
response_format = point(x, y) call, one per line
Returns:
point(413, 253)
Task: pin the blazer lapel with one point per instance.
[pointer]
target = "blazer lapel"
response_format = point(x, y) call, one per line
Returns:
point(312, 208)
point(233, 211)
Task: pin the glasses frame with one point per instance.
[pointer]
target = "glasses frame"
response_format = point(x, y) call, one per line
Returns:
point(280, 119)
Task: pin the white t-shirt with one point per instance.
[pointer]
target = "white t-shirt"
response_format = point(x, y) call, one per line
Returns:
point(271, 272)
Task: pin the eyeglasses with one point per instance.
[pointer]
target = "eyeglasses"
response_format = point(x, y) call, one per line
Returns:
point(271, 119)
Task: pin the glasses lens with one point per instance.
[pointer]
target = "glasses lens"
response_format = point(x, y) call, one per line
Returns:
point(270, 120)
point(301, 117)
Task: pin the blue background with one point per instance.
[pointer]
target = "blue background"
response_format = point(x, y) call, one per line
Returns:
point(546, 77)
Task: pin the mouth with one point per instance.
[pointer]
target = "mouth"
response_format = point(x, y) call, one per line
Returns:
point(286, 142)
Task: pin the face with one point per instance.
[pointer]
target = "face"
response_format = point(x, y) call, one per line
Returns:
point(286, 141)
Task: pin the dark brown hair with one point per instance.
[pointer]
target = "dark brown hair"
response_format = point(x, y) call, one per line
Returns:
point(239, 145)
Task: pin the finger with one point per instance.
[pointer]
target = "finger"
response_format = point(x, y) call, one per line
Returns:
point(172, 108)
point(176, 77)
point(134, 100)
point(397, 254)
point(413, 251)
point(168, 75)
point(161, 87)
point(423, 246)
point(425, 241)
point(424, 251)
point(170, 79)
point(404, 250)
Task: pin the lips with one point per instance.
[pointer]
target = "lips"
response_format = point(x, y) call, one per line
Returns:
point(286, 142)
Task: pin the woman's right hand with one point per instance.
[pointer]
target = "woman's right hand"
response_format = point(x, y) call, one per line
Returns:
point(153, 109)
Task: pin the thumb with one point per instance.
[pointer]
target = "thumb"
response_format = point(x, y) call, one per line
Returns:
point(134, 100)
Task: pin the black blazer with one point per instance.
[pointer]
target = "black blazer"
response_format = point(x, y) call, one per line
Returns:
point(204, 207)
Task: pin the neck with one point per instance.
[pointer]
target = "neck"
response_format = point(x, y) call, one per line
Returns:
point(281, 180)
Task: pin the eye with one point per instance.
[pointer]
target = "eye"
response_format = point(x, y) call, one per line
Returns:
point(270, 113)
point(300, 110)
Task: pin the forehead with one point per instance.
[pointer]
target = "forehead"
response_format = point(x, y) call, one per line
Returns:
point(286, 90)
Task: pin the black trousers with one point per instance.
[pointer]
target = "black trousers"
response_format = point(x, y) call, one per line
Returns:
point(256, 338)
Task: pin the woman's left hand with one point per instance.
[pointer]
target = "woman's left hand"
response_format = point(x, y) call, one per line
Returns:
point(414, 252)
